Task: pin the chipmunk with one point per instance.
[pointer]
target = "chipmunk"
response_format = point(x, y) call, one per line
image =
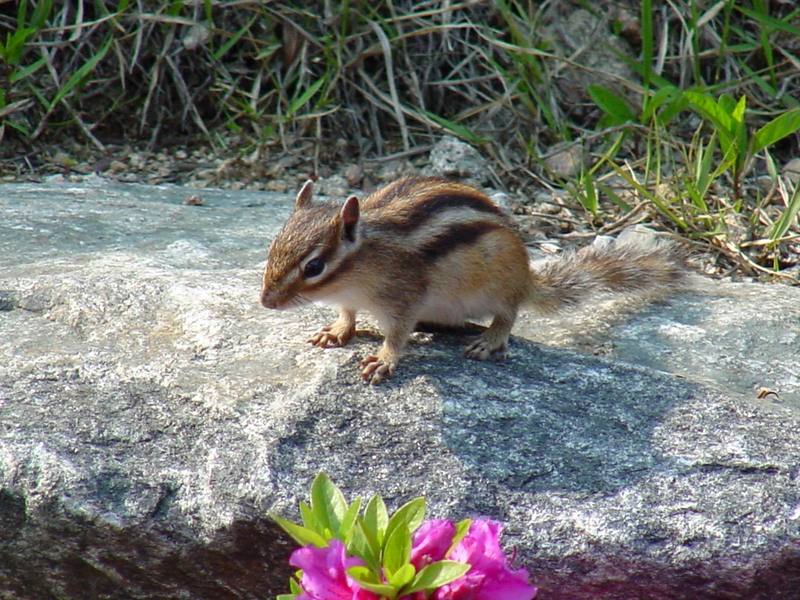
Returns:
point(425, 249)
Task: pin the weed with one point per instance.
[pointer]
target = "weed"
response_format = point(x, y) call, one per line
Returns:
point(698, 93)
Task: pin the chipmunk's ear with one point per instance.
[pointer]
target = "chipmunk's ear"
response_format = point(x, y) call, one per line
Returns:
point(304, 195)
point(349, 215)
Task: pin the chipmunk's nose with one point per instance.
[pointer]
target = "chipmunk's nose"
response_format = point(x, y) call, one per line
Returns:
point(268, 299)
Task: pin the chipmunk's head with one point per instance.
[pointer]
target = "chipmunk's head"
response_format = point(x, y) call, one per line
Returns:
point(306, 254)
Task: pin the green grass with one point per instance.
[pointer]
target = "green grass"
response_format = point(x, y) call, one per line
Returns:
point(706, 109)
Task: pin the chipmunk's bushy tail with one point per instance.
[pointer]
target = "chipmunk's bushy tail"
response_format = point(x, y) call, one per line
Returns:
point(635, 263)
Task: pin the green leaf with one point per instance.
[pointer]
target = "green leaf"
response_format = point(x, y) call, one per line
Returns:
point(327, 503)
point(675, 106)
point(403, 576)
point(359, 545)
point(436, 575)
point(22, 12)
point(411, 514)
point(771, 22)
point(26, 71)
point(703, 176)
point(377, 588)
point(397, 550)
point(647, 41)
point(40, 13)
point(610, 103)
point(612, 195)
point(662, 206)
point(223, 50)
point(300, 534)
point(376, 518)
point(588, 194)
point(782, 225)
point(458, 129)
point(732, 107)
point(309, 520)
point(349, 519)
point(740, 131)
point(80, 74)
point(299, 102)
point(462, 529)
point(777, 129)
point(364, 574)
point(666, 95)
point(294, 584)
point(705, 105)
point(12, 50)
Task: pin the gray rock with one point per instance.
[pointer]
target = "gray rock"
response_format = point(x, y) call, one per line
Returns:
point(450, 157)
point(152, 414)
point(594, 52)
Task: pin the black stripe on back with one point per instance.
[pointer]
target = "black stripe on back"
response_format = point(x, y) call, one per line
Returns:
point(430, 207)
point(453, 237)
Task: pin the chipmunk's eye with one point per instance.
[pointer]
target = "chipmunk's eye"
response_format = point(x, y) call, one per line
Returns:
point(313, 268)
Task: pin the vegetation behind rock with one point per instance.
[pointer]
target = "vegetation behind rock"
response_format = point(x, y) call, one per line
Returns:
point(686, 111)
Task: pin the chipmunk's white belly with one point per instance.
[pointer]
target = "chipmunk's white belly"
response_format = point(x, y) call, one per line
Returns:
point(452, 310)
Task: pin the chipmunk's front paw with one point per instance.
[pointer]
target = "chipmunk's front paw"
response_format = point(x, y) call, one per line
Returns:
point(332, 336)
point(375, 369)
point(483, 349)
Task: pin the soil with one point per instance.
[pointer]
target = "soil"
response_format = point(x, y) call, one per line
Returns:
point(549, 219)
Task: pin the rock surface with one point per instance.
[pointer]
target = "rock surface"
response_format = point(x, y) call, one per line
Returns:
point(452, 158)
point(152, 414)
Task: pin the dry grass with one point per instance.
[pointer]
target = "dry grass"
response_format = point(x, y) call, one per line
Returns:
point(511, 77)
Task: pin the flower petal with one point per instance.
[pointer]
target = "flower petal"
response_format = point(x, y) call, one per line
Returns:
point(325, 573)
point(431, 542)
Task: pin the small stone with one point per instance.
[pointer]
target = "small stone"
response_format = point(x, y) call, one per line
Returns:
point(565, 161)
point(791, 170)
point(194, 200)
point(63, 159)
point(736, 226)
point(276, 185)
point(550, 247)
point(393, 169)
point(335, 185)
point(503, 201)
point(117, 166)
point(278, 167)
point(102, 165)
point(451, 157)
point(630, 27)
point(354, 174)
point(764, 183)
point(197, 36)
point(136, 160)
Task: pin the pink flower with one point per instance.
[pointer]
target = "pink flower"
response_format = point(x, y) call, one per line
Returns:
point(431, 541)
point(490, 577)
point(325, 573)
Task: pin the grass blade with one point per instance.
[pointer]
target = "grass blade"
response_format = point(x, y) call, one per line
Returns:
point(785, 221)
point(777, 129)
point(79, 75)
point(611, 104)
point(299, 102)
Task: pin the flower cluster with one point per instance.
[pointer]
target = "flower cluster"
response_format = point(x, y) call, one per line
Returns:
point(325, 573)
point(490, 577)
point(345, 556)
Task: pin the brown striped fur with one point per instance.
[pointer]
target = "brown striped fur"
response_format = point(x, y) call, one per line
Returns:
point(432, 250)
